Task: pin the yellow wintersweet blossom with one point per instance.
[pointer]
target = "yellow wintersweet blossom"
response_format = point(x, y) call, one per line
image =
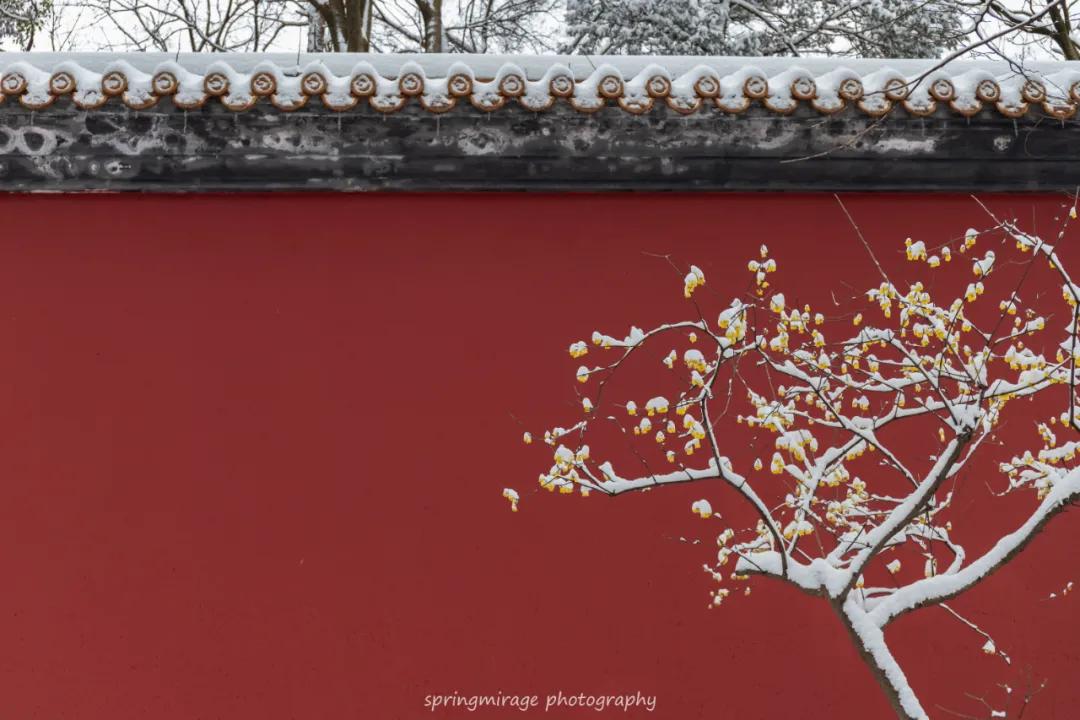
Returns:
point(702, 508)
point(693, 280)
point(511, 495)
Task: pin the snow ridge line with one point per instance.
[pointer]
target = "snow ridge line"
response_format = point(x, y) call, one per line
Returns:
point(965, 89)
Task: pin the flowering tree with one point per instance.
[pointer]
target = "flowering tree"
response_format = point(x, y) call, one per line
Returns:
point(850, 403)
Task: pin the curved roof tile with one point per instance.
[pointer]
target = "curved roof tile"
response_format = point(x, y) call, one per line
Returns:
point(635, 84)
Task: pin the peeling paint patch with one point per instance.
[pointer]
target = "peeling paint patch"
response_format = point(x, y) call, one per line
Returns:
point(907, 144)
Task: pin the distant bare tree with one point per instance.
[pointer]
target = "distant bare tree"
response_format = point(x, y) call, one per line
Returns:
point(192, 25)
point(1054, 32)
point(474, 26)
point(1016, 30)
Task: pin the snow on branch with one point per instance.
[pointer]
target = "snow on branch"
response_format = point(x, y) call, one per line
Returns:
point(843, 399)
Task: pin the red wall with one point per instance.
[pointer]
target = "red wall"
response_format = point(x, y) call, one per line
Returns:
point(252, 451)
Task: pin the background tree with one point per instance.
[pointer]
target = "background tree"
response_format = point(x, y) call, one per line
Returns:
point(192, 25)
point(884, 28)
point(871, 416)
point(20, 21)
point(474, 26)
point(341, 25)
point(1052, 33)
point(1017, 30)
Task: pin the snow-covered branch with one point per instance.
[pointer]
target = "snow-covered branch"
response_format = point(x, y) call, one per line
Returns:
point(843, 495)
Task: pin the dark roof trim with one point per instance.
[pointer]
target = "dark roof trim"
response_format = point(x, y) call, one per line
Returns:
point(132, 137)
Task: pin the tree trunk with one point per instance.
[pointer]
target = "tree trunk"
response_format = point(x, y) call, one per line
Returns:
point(869, 640)
point(431, 17)
point(437, 28)
point(356, 13)
point(316, 31)
point(348, 22)
point(1063, 33)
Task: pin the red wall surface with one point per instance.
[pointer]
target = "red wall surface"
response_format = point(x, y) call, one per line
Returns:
point(253, 449)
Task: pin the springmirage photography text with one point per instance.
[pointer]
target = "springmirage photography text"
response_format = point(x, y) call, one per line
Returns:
point(555, 701)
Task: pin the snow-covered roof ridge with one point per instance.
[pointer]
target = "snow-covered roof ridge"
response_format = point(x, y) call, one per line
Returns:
point(488, 82)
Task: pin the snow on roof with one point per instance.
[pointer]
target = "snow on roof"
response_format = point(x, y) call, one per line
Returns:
point(587, 83)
